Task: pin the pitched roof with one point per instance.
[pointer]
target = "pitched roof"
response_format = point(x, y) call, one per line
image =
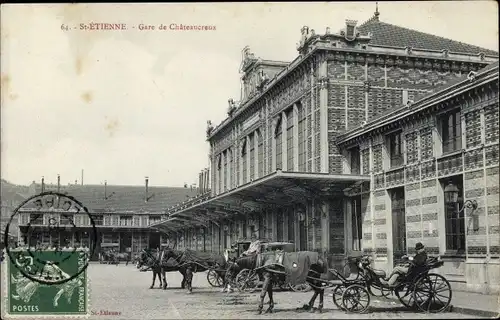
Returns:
point(386, 34)
point(125, 198)
point(423, 102)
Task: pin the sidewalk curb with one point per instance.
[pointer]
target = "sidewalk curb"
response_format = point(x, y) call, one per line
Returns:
point(474, 312)
point(463, 310)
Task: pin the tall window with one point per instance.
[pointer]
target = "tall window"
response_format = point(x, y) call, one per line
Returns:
point(98, 220)
point(127, 220)
point(357, 222)
point(219, 173)
point(301, 130)
point(260, 151)
point(224, 183)
point(252, 155)
point(451, 131)
point(355, 160)
point(244, 158)
point(395, 149)
point(455, 222)
point(279, 225)
point(289, 139)
point(231, 169)
point(279, 151)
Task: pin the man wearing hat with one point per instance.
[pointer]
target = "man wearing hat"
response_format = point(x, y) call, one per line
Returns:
point(402, 269)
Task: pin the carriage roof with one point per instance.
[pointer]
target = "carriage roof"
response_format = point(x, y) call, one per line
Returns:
point(110, 245)
point(285, 246)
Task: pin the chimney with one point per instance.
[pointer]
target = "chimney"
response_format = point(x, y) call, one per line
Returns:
point(405, 97)
point(43, 184)
point(200, 182)
point(147, 185)
point(207, 179)
point(76, 182)
point(82, 178)
point(58, 183)
point(105, 190)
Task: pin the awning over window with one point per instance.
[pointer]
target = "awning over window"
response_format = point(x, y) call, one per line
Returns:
point(276, 189)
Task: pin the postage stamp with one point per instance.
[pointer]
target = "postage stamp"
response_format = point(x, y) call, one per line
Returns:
point(43, 293)
point(46, 273)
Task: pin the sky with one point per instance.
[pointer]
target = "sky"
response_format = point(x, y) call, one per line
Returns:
point(126, 104)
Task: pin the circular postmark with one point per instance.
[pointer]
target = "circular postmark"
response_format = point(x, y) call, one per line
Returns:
point(51, 215)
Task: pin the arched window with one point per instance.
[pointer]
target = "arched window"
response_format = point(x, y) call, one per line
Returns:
point(260, 153)
point(289, 140)
point(252, 155)
point(244, 157)
point(302, 136)
point(279, 151)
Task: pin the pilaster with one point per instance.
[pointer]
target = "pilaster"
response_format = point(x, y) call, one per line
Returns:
point(323, 116)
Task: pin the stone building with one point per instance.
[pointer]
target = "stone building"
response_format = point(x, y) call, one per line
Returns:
point(282, 163)
point(413, 156)
point(122, 215)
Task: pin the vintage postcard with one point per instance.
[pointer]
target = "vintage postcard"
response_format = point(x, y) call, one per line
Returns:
point(250, 160)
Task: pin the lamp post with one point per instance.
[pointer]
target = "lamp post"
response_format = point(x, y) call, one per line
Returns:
point(451, 197)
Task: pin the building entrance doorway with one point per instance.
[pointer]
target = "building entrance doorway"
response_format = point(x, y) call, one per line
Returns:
point(154, 240)
point(126, 241)
point(398, 223)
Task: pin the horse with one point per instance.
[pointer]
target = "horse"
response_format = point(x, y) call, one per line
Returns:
point(268, 267)
point(158, 264)
point(190, 261)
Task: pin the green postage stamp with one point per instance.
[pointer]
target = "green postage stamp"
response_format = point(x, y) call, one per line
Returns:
point(46, 283)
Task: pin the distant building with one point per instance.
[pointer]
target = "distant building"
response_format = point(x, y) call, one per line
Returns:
point(346, 150)
point(122, 215)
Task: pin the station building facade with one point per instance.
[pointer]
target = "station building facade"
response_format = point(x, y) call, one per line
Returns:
point(122, 215)
point(294, 161)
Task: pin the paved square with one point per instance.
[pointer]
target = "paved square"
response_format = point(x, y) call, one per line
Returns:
point(122, 292)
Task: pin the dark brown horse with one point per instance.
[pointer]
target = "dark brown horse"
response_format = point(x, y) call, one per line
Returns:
point(305, 265)
point(190, 261)
point(160, 265)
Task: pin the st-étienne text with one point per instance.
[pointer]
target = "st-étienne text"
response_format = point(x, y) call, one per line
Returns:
point(103, 26)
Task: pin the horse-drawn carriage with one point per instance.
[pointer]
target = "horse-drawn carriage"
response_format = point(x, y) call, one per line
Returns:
point(428, 292)
point(110, 254)
point(249, 280)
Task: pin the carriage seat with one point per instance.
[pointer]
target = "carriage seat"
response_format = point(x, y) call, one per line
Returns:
point(379, 273)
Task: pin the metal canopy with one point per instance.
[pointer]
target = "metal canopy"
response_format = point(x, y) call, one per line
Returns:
point(274, 190)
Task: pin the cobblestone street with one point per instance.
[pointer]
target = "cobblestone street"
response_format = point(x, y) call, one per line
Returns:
point(125, 290)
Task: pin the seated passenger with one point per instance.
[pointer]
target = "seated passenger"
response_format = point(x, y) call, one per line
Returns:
point(419, 260)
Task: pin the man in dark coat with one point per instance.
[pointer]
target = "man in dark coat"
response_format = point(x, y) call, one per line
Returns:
point(402, 269)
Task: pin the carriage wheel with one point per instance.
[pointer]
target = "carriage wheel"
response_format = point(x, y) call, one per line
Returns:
point(405, 295)
point(214, 279)
point(302, 287)
point(337, 296)
point(247, 280)
point(356, 299)
point(432, 293)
